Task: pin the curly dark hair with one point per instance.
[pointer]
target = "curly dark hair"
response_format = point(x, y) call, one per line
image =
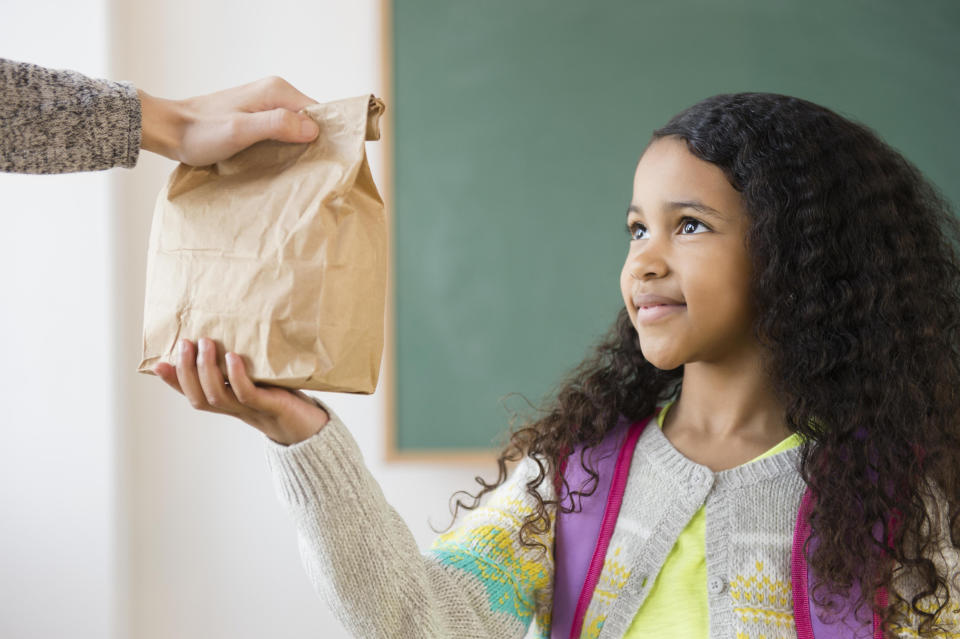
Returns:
point(856, 278)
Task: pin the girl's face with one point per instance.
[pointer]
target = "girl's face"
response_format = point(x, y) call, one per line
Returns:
point(687, 227)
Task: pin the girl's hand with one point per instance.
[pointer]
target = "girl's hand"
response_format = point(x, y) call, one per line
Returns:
point(285, 416)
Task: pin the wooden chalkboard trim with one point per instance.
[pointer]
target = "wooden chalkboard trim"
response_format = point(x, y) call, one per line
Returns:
point(386, 140)
point(484, 458)
point(392, 455)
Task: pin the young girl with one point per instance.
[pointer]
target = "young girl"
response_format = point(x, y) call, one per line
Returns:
point(790, 333)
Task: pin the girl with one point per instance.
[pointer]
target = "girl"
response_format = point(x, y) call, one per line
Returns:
point(790, 334)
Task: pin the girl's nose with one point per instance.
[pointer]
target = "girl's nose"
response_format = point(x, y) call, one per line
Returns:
point(647, 262)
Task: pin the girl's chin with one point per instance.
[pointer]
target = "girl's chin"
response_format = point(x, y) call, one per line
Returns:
point(663, 361)
point(666, 367)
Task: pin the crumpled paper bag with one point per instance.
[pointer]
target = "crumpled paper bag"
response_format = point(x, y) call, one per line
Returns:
point(278, 254)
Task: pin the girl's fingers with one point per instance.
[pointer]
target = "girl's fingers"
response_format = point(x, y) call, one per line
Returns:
point(246, 392)
point(187, 376)
point(218, 396)
point(168, 373)
point(272, 410)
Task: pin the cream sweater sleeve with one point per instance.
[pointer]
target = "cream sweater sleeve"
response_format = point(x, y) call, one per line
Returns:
point(475, 581)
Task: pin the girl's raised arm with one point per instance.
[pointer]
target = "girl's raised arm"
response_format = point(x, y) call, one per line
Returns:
point(475, 581)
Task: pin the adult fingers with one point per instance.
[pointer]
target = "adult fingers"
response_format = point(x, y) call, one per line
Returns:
point(276, 124)
point(218, 396)
point(273, 92)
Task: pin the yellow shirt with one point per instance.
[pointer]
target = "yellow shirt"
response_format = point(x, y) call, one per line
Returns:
point(677, 603)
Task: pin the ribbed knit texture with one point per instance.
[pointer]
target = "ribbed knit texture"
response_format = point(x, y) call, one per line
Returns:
point(365, 564)
point(59, 121)
point(677, 603)
point(478, 581)
point(750, 513)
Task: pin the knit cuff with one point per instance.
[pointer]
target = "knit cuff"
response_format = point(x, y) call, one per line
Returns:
point(130, 152)
point(325, 464)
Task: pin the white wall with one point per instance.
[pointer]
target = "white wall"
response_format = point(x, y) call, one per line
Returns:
point(126, 513)
point(57, 448)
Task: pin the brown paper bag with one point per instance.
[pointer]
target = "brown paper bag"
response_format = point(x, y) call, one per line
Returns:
point(278, 254)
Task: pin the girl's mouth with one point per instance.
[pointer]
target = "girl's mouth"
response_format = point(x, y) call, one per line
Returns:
point(647, 314)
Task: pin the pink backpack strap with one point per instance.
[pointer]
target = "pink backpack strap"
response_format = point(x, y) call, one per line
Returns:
point(798, 569)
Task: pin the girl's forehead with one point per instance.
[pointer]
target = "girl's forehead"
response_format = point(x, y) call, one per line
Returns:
point(668, 172)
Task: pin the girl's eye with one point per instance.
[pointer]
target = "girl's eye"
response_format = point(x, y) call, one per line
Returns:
point(687, 221)
point(635, 227)
point(632, 230)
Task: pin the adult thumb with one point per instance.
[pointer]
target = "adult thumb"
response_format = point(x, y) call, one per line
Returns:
point(279, 124)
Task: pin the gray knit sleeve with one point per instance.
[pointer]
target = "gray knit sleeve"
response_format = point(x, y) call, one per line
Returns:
point(59, 121)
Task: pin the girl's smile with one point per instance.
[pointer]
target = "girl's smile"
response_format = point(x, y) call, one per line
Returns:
point(648, 314)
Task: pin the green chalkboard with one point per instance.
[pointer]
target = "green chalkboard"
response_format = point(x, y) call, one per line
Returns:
point(517, 128)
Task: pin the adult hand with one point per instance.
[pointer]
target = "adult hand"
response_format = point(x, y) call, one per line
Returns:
point(209, 128)
point(285, 416)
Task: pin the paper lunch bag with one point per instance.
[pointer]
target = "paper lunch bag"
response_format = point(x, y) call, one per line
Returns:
point(279, 254)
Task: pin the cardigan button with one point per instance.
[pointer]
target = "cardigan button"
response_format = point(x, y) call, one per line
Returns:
point(715, 585)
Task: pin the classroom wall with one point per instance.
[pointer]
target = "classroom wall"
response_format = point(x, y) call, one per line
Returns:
point(126, 513)
point(57, 442)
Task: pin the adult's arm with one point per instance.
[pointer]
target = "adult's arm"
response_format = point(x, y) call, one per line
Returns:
point(60, 121)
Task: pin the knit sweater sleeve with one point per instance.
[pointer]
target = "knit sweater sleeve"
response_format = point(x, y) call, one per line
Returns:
point(59, 121)
point(474, 581)
point(946, 561)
